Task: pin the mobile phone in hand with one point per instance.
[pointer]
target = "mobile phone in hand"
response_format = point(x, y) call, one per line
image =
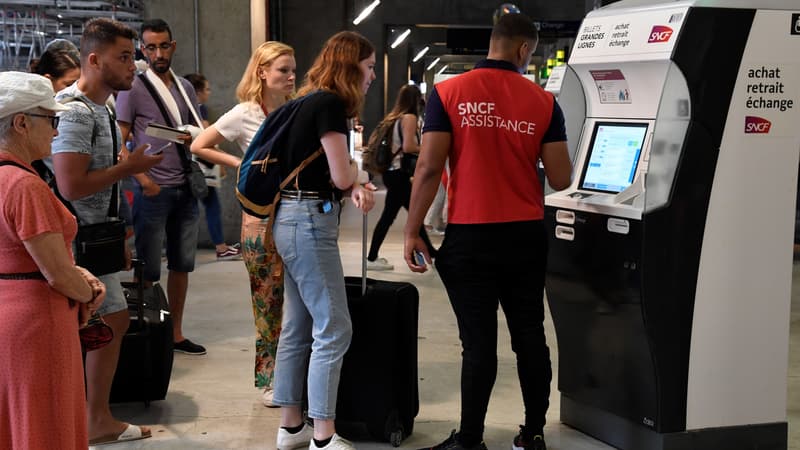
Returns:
point(419, 258)
point(158, 151)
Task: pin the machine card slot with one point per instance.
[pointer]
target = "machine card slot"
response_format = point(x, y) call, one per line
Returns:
point(620, 226)
point(565, 233)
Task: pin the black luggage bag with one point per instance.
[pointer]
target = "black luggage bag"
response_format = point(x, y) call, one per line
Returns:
point(378, 385)
point(145, 360)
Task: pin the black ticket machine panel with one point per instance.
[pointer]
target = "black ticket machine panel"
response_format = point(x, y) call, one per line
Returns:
point(670, 254)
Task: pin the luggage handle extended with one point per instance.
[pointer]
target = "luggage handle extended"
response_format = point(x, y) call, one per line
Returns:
point(138, 275)
point(364, 254)
point(351, 144)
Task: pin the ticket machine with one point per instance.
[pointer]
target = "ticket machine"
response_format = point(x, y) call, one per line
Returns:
point(670, 260)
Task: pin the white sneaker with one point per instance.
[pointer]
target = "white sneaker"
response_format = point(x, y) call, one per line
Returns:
point(336, 443)
point(379, 264)
point(266, 398)
point(289, 441)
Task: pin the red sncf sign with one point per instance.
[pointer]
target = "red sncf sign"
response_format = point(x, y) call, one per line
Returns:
point(659, 33)
point(756, 125)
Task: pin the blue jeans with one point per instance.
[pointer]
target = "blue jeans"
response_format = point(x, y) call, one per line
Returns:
point(173, 214)
point(214, 216)
point(315, 315)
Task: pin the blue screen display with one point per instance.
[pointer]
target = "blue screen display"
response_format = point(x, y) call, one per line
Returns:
point(613, 156)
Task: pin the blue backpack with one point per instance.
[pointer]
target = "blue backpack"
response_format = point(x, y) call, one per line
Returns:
point(258, 182)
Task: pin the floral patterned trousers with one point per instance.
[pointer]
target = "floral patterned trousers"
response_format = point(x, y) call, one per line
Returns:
point(265, 268)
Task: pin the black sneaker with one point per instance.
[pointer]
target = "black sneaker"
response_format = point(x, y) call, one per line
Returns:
point(189, 347)
point(526, 441)
point(452, 444)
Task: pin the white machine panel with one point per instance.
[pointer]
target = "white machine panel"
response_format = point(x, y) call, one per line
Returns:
point(745, 269)
point(630, 90)
point(644, 35)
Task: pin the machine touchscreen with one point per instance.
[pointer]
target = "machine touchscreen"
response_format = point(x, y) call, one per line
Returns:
point(614, 153)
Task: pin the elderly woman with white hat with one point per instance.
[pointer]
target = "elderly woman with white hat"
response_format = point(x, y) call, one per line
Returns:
point(42, 400)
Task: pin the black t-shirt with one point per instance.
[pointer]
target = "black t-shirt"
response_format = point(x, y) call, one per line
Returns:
point(317, 115)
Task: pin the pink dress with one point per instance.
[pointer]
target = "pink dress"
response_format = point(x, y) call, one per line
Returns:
point(42, 399)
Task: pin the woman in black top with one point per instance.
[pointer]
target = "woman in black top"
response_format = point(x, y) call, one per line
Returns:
point(405, 140)
point(306, 229)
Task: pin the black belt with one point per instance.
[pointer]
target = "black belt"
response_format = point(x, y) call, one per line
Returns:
point(308, 195)
point(23, 276)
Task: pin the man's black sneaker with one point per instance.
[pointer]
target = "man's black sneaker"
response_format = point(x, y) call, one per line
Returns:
point(452, 444)
point(189, 347)
point(527, 441)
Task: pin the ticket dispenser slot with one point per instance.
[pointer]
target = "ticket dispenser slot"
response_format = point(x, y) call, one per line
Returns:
point(565, 233)
point(567, 217)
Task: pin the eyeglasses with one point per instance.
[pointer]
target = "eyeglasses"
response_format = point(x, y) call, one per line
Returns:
point(53, 119)
point(163, 46)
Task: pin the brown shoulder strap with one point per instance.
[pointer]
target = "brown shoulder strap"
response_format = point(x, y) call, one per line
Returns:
point(296, 172)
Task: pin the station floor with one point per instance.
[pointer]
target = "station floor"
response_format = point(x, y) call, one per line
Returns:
point(212, 403)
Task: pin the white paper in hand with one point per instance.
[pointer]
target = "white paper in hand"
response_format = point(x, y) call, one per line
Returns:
point(164, 132)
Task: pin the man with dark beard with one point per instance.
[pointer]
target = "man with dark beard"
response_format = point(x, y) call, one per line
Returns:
point(163, 205)
point(85, 171)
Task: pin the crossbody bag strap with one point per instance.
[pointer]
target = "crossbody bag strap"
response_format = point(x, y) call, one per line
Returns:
point(16, 164)
point(160, 103)
point(113, 206)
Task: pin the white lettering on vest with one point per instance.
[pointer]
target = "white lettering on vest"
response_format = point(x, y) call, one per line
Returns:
point(482, 115)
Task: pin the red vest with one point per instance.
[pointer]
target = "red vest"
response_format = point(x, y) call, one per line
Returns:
point(499, 119)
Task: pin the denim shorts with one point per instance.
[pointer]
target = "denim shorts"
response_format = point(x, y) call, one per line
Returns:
point(115, 299)
point(172, 214)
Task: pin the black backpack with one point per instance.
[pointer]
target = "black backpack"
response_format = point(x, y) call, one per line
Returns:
point(259, 182)
point(377, 156)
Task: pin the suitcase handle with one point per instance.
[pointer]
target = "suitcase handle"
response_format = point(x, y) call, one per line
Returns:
point(364, 254)
point(138, 274)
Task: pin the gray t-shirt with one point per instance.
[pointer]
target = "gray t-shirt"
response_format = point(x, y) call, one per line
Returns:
point(75, 136)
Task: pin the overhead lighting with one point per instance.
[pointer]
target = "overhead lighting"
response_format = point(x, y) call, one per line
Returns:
point(366, 12)
point(441, 70)
point(435, 61)
point(401, 38)
point(421, 54)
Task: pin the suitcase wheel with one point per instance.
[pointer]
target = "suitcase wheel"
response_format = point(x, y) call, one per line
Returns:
point(389, 430)
point(396, 437)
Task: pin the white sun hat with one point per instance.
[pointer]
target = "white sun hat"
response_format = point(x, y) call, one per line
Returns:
point(21, 91)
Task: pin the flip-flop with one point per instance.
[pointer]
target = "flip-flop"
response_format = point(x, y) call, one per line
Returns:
point(132, 433)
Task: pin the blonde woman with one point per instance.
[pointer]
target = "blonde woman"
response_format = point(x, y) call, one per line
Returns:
point(267, 83)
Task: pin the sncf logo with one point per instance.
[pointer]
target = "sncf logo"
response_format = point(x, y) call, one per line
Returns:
point(757, 125)
point(659, 33)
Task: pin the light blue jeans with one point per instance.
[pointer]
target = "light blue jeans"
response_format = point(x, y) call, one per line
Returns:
point(315, 315)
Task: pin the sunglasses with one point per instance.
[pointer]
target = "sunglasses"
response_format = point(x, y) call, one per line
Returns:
point(53, 119)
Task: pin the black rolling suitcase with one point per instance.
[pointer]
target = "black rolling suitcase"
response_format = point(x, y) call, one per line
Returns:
point(145, 360)
point(378, 388)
